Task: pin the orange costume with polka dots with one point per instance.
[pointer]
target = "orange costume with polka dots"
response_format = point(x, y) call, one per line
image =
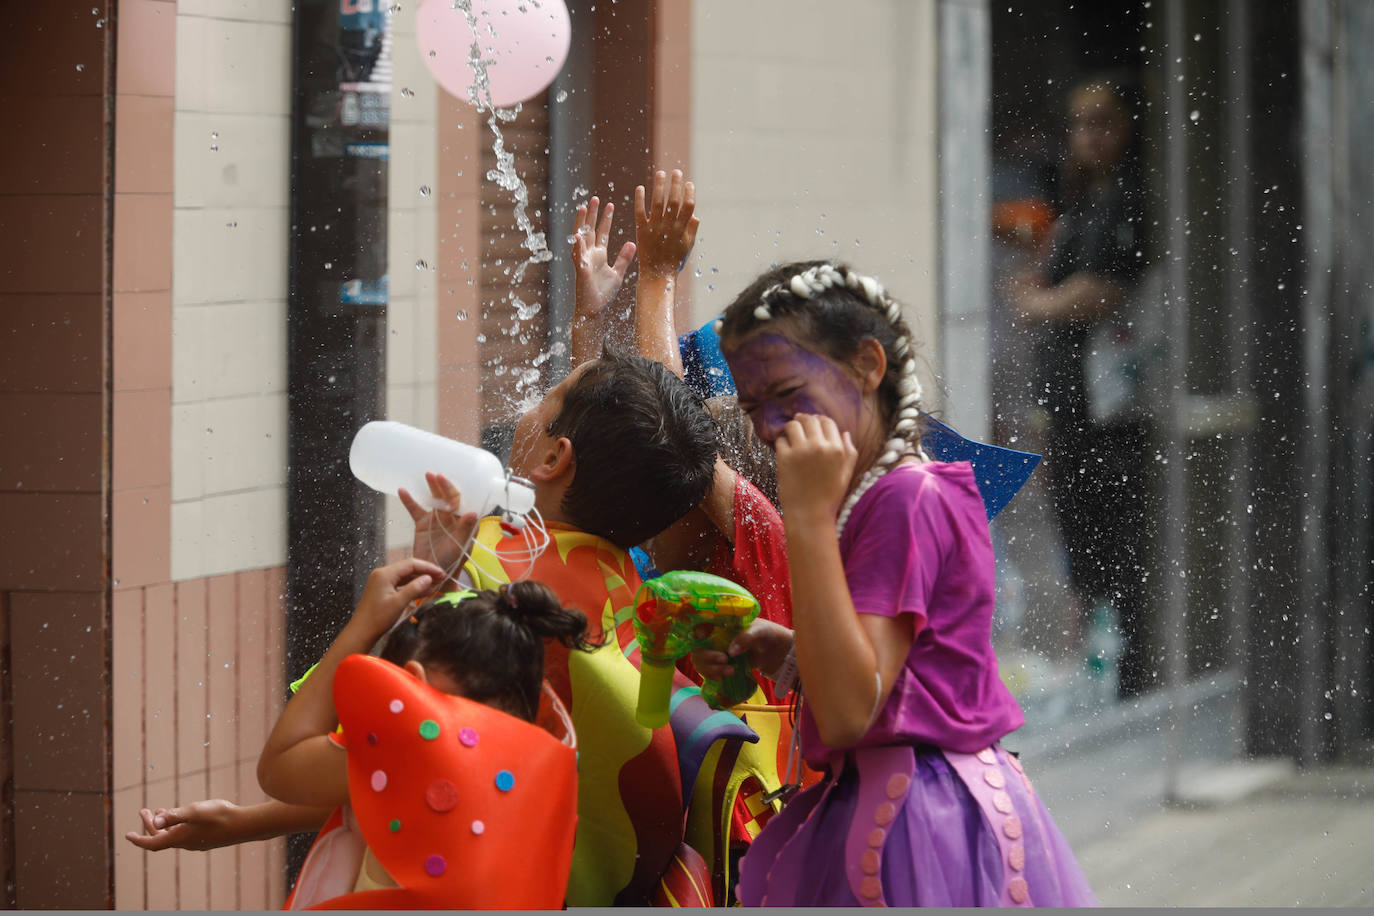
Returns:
point(464, 806)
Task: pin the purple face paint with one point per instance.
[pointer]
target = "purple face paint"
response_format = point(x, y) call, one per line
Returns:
point(777, 378)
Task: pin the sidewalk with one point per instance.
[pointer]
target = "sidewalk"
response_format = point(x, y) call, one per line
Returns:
point(1302, 842)
point(1255, 833)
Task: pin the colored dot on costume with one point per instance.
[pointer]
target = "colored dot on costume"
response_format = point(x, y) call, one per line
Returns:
point(396, 706)
point(479, 828)
point(395, 825)
point(505, 780)
point(429, 729)
point(1016, 856)
point(435, 866)
point(441, 796)
point(371, 739)
point(468, 737)
point(378, 780)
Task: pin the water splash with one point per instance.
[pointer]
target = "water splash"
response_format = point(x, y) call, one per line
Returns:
point(505, 176)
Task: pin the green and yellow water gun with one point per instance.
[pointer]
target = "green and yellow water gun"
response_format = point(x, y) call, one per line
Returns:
point(680, 612)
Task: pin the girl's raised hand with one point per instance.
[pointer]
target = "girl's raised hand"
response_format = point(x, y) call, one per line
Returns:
point(815, 464)
point(665, 226)
point(441, 534)
point(598, 280)
point(389, 591)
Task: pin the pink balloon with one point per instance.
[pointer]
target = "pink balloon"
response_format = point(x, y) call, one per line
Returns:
point(528, 47)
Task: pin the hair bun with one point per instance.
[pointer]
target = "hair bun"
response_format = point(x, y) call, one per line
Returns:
point(536, 607)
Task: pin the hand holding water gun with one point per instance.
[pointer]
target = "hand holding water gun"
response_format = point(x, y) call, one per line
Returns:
point(678, 613)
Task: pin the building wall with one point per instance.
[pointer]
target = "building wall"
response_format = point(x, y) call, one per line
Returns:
point(215, 606)
point(198, 439)
point(814, 135)
point(55, 275)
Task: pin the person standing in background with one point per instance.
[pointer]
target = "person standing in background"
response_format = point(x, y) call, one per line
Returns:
point(1080, 303)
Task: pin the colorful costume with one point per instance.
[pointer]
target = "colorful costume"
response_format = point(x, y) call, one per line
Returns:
point(635, 785)
point(443, 792)
point(926, 809)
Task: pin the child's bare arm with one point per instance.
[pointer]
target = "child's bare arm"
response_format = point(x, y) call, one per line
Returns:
point(215, 822)
point(300, 765)
point(597, 278)
point(666, 229)
point(848, 661)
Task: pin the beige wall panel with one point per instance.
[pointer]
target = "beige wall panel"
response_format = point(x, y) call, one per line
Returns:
point(814, 135)
point(412, 239)
point(229, 281)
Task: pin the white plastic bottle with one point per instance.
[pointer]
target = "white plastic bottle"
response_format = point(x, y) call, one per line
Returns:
point(387, 456)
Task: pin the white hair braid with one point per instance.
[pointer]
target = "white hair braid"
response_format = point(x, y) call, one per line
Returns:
point(904, 436)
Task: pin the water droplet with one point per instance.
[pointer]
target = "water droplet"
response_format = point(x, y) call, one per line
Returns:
point(328, 265)
point(462, 315)
point(1194, 115)
point(407, 93)
point(331, 380)
point(80, 68)
point(1197, 36)
point(425, 191)
point(421, 265)
point(232, 224)
point(1327, 716)
point(562, 96)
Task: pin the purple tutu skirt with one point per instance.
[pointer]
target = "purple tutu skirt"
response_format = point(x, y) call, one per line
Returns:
point(940, 848)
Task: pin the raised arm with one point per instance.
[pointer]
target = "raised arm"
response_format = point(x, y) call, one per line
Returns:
point(1082, 296)
point(598, 279)
point(848, 661)
point(300, 765)
point(666, 229)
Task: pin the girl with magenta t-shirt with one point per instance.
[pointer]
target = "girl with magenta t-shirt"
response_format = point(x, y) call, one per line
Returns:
point(892, 589)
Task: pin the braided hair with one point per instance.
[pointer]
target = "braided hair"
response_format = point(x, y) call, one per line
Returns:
point(491, 642)
point(836, 308)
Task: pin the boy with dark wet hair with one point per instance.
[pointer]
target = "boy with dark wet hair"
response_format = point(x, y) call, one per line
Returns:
point(645, 448)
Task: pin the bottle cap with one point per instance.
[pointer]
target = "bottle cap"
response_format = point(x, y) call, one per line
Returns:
point(517, 495)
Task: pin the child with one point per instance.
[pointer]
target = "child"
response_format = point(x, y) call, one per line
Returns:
point(892, 585)
point(735, 532)
point(445, 712)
